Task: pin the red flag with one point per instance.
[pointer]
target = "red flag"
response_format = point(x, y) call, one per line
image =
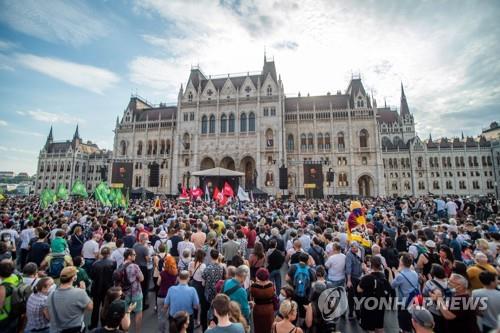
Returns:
point(196, 192)
point(216, 194)
point(223, 200)
point(227, 190)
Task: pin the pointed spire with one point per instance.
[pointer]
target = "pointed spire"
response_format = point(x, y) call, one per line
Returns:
point(50, 137)
point(77, 134)
point(430, 137)
point(462, 135)
point(117, 121)
point(265, 54)
point(403, 110)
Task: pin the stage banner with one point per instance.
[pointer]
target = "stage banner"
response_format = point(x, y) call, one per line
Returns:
point(313, 179)
point(121, 175)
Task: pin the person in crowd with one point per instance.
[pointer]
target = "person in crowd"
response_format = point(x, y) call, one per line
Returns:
point(438, 280)
point(76, 242)
point(353, 270)
point(230, 248)
point(196, 268)
point(67, 305)
point(10, 280)
point(262, 292)
point(212, 273)
point(235, 316)
point(336, 266)
point(300, 276)
point(373, 285)
point(275, 260)
point(236, 292)
point(460, 316)
point(141, 260)
point(481, 265)
point(117, 254)
point(115, 316)
point(289, 311)
point(179, 322)
point(37, 313)
point(101, 274)
point(26, 236)
point(257, 259)
point(182, 297)
point(131, 286)
point(221, 305)
point(166, 279)
point(40, 248)
point(405, 283)
point(488, 316)
point(90, 250)
point(199, 237)
point(421, 320)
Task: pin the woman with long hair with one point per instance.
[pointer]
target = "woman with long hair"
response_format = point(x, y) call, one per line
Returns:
point(257, 259)
point(196, 268)
point(76, 242)
point(114, 298)
point(235, 316)
point(167, 279)
point(179, 322)
point(158, 262)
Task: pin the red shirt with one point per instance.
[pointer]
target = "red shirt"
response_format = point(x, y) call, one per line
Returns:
point(251, 236)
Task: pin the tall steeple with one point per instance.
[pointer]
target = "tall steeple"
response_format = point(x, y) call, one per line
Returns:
point(50, 138)
point(76, 135)
point(403, 110)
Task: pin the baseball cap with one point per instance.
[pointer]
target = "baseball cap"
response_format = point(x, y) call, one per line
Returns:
point(422, 316)
point(68, 272)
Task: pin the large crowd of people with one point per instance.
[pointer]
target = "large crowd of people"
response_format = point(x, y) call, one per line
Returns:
point(262, 266)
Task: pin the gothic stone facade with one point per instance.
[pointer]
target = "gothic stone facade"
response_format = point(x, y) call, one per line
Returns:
point(65, 162)
point(246, 123)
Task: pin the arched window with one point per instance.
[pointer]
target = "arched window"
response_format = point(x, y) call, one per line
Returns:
point(303, 142)
point(320, 141)
point(231, 123)
point(162, 147)
point(269, 90)
point(150, 147)
point(139, 148)
point(211, 125)
point(251, 122)
point(41, 167)
point(327, 141)
point(168, 147)
point(123, 148)
point(310, 141)
point(54, 168)
point(269, 178)
point(84, 167)
point(68, 167)
point(190, 97)
point(204, 125)
point(243, 122)
point(223, 123)
point(290, 142)
point(186, 141)
point(269, 138)
point(155, 147)
point(340, 141)
point(61, 168)
point(363, 138)
point(77, 167)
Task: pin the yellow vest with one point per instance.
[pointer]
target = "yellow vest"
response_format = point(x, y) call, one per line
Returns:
point(12, 281)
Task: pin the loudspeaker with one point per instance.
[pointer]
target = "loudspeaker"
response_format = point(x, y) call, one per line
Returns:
point(104, 172)
point(330, 176)
point(154, 175)
point(283, 178)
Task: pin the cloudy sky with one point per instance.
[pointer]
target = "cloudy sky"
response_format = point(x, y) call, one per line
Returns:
point(69, 62)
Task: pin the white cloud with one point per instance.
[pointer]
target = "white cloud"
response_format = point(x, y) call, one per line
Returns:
point(317, 45)
point(3, 122)
point(30, 133)
point(18, 150)
point(49, 117)
point(87, 77)
point(56, 20)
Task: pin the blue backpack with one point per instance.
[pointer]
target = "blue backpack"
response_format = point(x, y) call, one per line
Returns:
point(413, 293)
point(301, 280)
point(56, 265)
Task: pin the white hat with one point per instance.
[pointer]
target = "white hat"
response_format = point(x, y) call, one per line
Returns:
point(162, 234)
point(430, 244)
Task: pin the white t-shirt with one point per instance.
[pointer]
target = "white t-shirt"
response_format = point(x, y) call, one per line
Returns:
point(90, 248)
point(451, 206)
point(336, 267)
point(117, 256)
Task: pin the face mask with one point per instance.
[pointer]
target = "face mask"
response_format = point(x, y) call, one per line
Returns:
point(281, 298)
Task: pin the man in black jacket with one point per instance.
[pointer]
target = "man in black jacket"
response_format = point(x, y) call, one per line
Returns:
point(275, 259)
point(101, 274)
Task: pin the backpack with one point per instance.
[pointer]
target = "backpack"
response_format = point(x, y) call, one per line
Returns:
point(56, 265)
point(420, 250)
point(19, 297)
point(413, 293)
point(446, 291)
point(120, 277)
point(301, 280)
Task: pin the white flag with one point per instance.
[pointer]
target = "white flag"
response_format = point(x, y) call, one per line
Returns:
point(207, 194)
point(242, 195)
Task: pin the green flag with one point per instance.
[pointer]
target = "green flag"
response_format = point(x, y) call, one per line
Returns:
point(79, 189)
point(101, 193)
point(46, 198)
point(62, 192)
